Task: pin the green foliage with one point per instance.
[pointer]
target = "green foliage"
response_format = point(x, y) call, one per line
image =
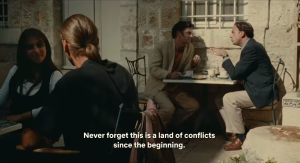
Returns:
point(242, 159)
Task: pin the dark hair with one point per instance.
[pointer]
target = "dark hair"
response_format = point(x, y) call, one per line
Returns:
point(180, 26)
point(26, 66)
point(246, 27)
point(82, 35)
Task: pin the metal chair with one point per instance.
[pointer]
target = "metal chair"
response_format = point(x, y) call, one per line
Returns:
point(134, 70)
point(272, 106)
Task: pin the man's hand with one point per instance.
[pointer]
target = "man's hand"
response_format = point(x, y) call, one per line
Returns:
point(196, 60)
point(175, 75)
point(218, 52)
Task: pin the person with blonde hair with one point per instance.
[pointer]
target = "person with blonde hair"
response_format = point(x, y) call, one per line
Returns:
point(87, 101)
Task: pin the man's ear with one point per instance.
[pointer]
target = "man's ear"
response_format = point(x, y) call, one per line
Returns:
point(178, 34)
point(243, 34)
point(65, 46)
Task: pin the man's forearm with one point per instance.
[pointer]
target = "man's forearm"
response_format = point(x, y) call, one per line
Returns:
point(158, 73)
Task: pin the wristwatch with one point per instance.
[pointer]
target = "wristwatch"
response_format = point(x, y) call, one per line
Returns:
point(225, 56)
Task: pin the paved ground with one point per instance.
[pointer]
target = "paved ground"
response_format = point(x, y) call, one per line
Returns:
point(204, 151)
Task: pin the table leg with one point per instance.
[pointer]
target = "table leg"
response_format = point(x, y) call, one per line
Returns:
point(206, 115)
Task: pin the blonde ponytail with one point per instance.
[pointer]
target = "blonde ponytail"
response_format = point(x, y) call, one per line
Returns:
point(92, 53)
point(82, 35)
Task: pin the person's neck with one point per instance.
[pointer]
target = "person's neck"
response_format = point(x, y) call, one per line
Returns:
point(78, 62)
point(179, 43)
point(243, 41)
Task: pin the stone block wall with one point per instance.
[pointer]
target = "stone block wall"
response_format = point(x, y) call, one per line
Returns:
point(45, 15)
point(155, 21)
point(128, 44)
point(7, 59)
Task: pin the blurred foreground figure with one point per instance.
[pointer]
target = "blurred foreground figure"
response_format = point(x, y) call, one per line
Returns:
point(87, 100)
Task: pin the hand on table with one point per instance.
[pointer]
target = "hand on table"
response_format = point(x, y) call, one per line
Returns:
point(175, 75)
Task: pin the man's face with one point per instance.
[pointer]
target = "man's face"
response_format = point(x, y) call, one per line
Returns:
point(236, 36)
point(187, 35)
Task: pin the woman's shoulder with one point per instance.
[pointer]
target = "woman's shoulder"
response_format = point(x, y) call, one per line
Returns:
point(13, 70)
point(56, 75)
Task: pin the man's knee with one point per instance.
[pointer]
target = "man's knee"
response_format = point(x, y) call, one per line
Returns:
point(166, 113)
point(166, 109)
point(194, 105)
point(219, 103)
point(229, 97)
point(187, 102)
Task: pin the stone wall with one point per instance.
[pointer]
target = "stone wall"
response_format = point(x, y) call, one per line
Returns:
point(128, 45)
point(7, 59)
point(155, 21)
point(45, 15)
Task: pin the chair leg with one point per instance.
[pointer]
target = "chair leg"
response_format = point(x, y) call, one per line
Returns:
point(274, 118)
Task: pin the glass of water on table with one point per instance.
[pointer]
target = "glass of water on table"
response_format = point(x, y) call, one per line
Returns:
point(211, 73)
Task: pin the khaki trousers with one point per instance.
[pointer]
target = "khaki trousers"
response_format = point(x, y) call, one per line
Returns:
point(169, 98)
point(231, 111)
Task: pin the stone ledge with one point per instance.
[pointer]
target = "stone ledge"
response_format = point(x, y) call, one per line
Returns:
point(261, 143)
point(291, 100)
point(291, 109)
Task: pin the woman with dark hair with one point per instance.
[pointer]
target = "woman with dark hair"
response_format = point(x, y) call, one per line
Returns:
point(32, 79)
point(28, 83)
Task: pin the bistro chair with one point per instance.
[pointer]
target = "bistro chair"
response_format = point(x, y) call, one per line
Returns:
point(134, 70)
point(272, 106)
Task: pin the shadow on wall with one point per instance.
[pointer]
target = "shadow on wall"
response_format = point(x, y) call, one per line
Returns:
point(200, 49)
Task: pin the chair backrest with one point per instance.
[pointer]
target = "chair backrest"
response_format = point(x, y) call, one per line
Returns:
point(278, 81)
point(280, 62)
point(294, 84)
point(134, 68)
